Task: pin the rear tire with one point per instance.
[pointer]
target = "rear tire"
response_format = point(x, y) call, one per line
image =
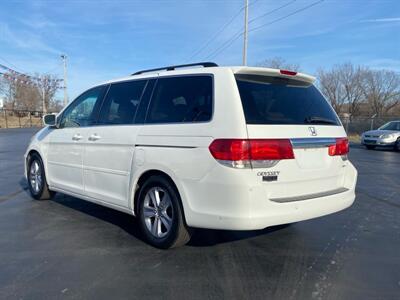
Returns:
point(369, 147)
point(37, 179)
point(161, 215)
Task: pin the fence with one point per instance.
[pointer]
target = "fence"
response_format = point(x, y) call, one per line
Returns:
point(20, 118)
point(25, 118)
point(357, 125)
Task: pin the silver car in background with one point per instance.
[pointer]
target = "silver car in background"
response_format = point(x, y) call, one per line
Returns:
point(387, 135)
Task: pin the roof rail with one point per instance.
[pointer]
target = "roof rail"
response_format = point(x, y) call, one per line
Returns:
point(170, 68)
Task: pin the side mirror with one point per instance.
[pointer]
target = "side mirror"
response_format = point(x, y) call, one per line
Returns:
point(50, 120)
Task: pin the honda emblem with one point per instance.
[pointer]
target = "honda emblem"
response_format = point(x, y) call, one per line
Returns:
point(312, 131)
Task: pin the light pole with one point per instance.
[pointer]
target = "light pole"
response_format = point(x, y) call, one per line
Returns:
point(372, 121)
point(246, 16)
point(64, 58)
point(44, 99)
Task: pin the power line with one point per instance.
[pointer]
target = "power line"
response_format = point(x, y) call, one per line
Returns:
point(226, 44)
point(271, 12)
point(288, 15)
point(216, 34)
point(19, 70)
point(197, 52)
point(240, 33)
point(12, 65)
point(13, 75)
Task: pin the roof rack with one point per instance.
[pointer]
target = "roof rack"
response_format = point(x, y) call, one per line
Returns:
point(170, 68)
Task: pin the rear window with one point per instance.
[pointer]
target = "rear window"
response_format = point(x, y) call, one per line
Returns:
point(271, 100)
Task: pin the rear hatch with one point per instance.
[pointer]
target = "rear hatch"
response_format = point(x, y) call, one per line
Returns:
point(283, 105)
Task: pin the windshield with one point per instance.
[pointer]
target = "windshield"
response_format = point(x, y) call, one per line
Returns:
point(269, 100)
point(391, 126)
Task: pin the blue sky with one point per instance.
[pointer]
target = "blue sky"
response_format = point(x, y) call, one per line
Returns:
point(108, 39)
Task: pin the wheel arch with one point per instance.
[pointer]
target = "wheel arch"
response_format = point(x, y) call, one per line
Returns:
point(142, 179)
point(28, 156)
point(37, 151)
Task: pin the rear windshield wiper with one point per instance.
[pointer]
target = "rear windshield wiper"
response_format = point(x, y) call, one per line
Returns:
point(319, 120)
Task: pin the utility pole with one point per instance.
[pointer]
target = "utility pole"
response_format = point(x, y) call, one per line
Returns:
point(64, 58)
point(246, 16)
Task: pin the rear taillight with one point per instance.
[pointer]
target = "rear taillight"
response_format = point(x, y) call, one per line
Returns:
point(230, 149)
point(271, 149)
point(340, 148)
point(244, 153)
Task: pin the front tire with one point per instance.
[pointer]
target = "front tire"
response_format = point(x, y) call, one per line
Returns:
point(397, 145)
point(369, 147)
point(37, 179)
point(161, 215)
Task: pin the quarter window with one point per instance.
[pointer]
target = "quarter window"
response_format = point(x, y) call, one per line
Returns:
point(121, 103)
point(82, 111)
point(184, 99)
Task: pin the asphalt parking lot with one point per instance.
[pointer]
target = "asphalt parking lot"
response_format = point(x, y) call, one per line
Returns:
point(69, 248)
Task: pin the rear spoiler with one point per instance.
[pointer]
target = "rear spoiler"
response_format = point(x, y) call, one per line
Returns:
point(274, 73)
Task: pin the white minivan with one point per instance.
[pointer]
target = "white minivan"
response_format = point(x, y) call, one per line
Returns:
point(198, 146)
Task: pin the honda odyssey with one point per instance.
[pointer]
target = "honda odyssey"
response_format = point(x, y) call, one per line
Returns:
point(198, 146)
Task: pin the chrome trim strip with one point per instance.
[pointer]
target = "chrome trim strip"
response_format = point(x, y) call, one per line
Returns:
point(165, 146)
point(312, 142)
point(310, 196)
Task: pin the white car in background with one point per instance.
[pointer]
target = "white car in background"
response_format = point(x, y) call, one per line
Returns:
point(236, 148)
point(387, 135)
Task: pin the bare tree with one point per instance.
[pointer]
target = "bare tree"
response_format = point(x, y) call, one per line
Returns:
point(382, 90)
point(343, 85)
point(29, 93)
point(11, 90)
point(278, 63)
point(56, 105)
point(330, 84)
point(351, 78)
point(47, 86)
point(26, 96)
point(3, 85)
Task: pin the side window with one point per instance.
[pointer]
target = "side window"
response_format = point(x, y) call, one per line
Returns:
point(181, 99)
point(121, 102)
point(82, 111)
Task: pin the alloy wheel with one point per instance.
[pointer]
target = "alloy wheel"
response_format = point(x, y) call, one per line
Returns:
point(35, 177)
point(158, 212)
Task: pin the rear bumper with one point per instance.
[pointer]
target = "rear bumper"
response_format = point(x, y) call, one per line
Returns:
point(239, 206)
point(302, 210)
point(377, 142)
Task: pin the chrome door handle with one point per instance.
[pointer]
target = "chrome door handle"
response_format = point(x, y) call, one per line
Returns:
point(77, 137)
point(94, 137)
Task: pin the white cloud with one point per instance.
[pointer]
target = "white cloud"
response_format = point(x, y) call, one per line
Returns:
point(24, 39)
point(382, 20)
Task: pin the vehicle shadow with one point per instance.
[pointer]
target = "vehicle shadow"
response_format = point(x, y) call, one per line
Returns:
point(128, 223)
point(210, 237)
